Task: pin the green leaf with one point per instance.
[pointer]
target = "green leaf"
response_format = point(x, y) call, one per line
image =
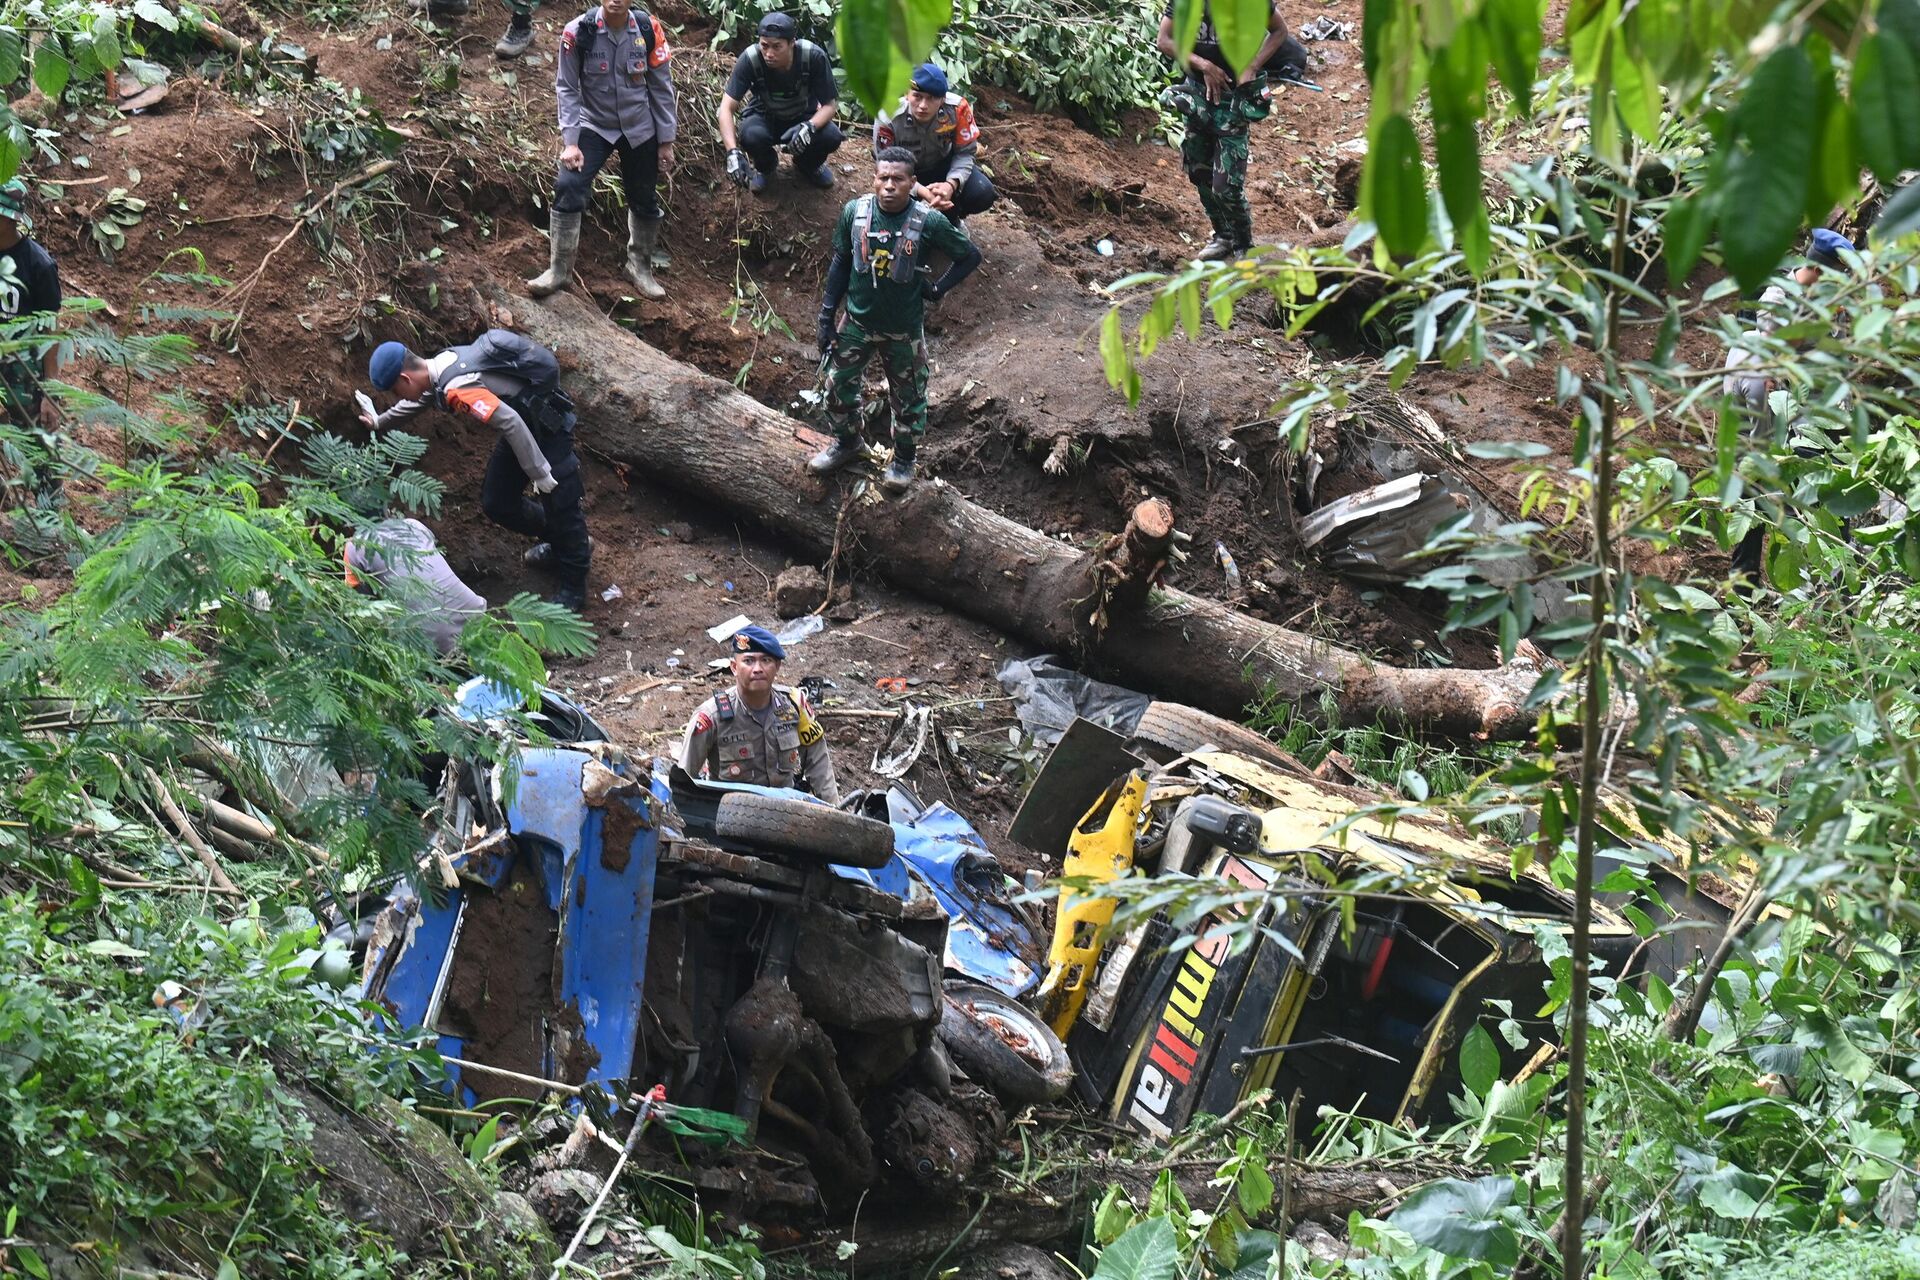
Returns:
point(1255, 1189)
point(877, 71)
point(1394, 187)
point(1147, 1252)
point(106, 41)
point(1242, 28)
point(1784, 562)
point(1900, 216)
point(51, 71)
point(9, 153)
point(1479, 1058)
point(1461, 1219)
point(156, 13)
point(1189, 301)
point(1186, 28)
point(11, 56)
point(1766, 192)
point(31, 1262)
point(1113, 1216)
point(1636, 92)
point(1513, 30)
point(1885, 85)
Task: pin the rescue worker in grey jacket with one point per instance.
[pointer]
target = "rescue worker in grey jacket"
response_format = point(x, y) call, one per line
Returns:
point(615, 94)
point(400, 557)
point(938, 127)
point(758, 731)
point(505, 381)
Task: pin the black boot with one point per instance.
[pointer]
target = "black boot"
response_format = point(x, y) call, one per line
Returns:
point(898, 477)
point(518, 39)
point(843, 452)
point(540, 556)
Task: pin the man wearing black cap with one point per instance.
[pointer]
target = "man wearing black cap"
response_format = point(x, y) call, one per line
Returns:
point(505, 381)
point(29, 285)
point(758, 731)
point(787, 86)
point(938, 127)
point(1218, 105)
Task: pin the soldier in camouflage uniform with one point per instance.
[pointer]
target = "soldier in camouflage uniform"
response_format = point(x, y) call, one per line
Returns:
point(759, 731)
point(880, 271)
point(1218, 105)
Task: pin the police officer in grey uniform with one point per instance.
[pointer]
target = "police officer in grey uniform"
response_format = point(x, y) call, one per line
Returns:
point(759, 731)
point(937, 125)
point(615, 95)
point(400, 555)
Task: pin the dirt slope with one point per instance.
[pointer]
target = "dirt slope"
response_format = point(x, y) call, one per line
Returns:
point(1016, 367)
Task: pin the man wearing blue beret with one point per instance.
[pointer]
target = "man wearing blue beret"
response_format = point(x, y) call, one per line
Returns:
point(512, 384)
point(937, 125)
point(758, 731)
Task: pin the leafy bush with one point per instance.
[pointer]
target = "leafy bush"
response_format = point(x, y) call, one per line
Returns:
point(1835, 1255)
point(1095, 59)
point(126, 1125)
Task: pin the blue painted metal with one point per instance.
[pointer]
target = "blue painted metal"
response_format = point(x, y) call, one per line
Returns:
point(549, 816)
point(605, 921)
point(422, 953)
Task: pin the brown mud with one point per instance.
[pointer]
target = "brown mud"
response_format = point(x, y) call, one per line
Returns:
point(1016, 366)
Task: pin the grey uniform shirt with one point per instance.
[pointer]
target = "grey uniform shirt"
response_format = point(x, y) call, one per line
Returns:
point(945, 147)
point(616, 90)
point(483, 398)
point(781, 745)
point(403, 558)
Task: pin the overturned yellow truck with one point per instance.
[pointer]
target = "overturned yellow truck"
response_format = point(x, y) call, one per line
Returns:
point(1342, 959)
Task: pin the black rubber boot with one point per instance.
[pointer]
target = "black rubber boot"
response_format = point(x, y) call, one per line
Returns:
point(517, 40)
point(898, 477)
point(841, 453)
point(540, 556)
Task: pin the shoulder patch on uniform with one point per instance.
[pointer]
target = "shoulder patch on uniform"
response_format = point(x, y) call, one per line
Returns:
point(475, 401)
point(567, 37)
point(702, 722)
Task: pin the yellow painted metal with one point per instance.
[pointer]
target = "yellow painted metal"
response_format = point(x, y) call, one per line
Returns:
point(1100, 853)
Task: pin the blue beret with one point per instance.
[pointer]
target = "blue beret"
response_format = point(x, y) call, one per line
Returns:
point(757, 640)
point(1827, 247)
point(384, 368)
point(778, 26)
point(928, 78)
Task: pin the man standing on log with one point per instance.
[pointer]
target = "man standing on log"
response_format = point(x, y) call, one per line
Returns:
point(879, 254)
point(616, 95)
point(29, 285)
point(787, 86)
point(758, 731)
point(511, 384)
point(938, 127)
point(1218, 105)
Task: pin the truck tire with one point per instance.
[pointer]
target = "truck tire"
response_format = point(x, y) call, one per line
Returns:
point(1003, 1046)
point(803, 830)
point(1168, 729)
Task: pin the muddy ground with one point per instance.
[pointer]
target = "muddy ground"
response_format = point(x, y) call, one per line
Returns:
point(1016, 368)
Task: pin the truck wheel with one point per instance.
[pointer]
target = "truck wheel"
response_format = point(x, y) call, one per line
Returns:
point(802, 829)
point(1168, 729)
point(1003, 1046)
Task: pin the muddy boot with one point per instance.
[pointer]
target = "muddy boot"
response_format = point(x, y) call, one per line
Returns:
point(518, 39)
point(642, 235)
point(898, 477)
point(564, 242)
point(571, 598)
point(540, 556)
point(841, 453)
point(1218, 249)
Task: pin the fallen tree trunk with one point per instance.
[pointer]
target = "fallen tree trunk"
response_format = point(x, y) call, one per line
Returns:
point(681, 427)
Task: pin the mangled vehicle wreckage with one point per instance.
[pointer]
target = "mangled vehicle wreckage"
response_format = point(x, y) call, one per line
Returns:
point(753, 950)
point(858, 986)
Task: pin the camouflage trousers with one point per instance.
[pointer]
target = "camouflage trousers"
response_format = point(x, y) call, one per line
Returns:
point(1214, 151)
point(903, 360)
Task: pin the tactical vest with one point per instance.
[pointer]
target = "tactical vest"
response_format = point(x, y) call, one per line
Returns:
point(547, 409)
point(906, 253)
point(739, 741)
point(788, 104)
point(587, 30)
